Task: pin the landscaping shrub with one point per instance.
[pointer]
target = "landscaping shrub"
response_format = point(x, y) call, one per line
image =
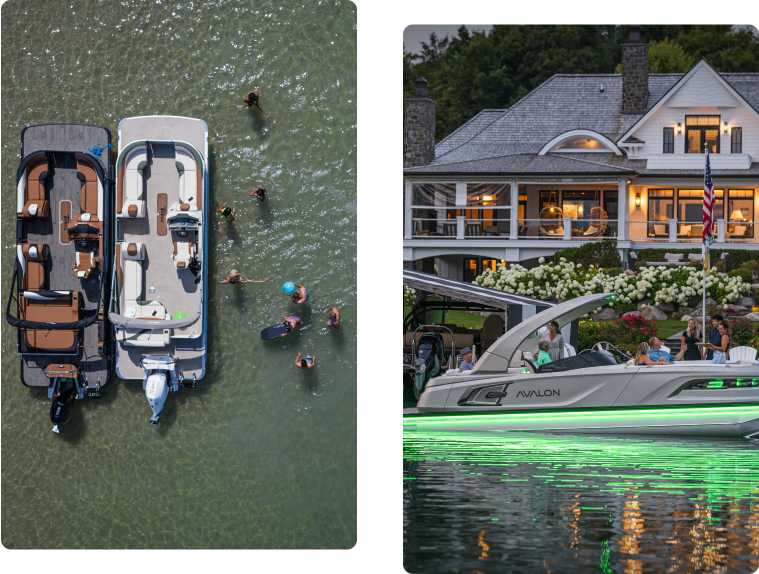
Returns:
point(628, 332)
point(409, 296)
point(744, 333)
point(587, 334)
point(744, 273)
point(738, 256)
point(602, 253)
point(565, 280)
point(640, 265)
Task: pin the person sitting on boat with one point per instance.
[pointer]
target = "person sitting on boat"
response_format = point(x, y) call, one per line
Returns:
point(642, 356)
point(466, 364)
point(235, 277)
point(715, 337)
point(251, 99)
point(334, 318)
point(307, 363)
point(655, 353)
point(555, 341)
point(543, 355)
point(298, 293)
point(721, 350)
point(290, 322)
point(227, 213)
point(259, 193)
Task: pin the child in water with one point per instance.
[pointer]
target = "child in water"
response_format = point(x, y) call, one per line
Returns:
point(334, 318)
point(227, 213)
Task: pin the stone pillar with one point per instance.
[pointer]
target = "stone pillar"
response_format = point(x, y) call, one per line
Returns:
point(634, 73)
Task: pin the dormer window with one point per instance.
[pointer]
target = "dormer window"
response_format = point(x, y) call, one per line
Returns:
point(582, 143)
point(701, 132)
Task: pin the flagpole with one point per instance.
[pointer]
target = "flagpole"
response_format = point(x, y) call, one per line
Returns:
point(707, 238)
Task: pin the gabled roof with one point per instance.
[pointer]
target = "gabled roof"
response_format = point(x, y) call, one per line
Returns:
point(701, 65)
point(499, 141)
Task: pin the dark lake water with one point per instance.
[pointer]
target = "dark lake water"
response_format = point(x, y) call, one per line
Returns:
point(523, 502)
point(260, 454)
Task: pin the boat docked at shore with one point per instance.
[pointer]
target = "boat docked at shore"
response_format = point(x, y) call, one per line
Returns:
point(599, 391)
point(160, 301)
point(63, 257)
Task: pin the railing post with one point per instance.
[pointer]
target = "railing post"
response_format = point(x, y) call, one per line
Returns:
point(721, 230)
point(460, 226)
point(407, 227)
point(672, 230)
point(567, 229)
point(514, 211)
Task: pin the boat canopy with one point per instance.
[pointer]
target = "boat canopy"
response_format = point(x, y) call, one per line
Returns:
point(469, 292)
point(134, 323)
point(498, 357)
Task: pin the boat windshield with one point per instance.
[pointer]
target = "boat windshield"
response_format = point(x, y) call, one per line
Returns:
point(584, 361)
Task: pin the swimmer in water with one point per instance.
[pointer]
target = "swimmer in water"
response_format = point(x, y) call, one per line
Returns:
point(251, 99)
point(259, 193)
point(235, 277)
point(290, 322)
point(334, 318)
point(227, 213)
point(307, 363)
point(298, 293)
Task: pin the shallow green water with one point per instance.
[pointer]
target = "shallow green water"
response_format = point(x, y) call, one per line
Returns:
point(259, 454)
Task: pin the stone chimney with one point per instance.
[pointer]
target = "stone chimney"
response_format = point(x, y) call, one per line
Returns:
point(419, 128)
point(634, 73)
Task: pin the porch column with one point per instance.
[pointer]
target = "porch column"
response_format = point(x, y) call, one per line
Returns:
point(623, 210)
point(721, 230)
point(460, 226)
point(673, 230)
point(461, 204)
point(514, 229)
point(567, 229)
point(407, 209)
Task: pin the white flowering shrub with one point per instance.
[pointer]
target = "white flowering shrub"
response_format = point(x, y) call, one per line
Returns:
point(564, 280)
point(409, 296)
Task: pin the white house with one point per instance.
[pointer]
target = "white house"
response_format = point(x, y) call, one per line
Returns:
point(582, 158)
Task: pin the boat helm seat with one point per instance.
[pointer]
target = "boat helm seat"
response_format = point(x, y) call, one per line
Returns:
point(190, 179)
point(31, 258)
point(85, 263)
point(184, 251)
point(143, 338)
point(133, 185)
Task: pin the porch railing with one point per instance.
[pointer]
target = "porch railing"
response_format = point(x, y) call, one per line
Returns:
point(674, 231)
point(566, 229)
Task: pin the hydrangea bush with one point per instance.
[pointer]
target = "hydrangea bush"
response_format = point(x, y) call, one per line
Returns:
point(565, 280)
point(409, 296)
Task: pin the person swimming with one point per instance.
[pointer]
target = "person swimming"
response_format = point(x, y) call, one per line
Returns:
point(259, 193)
point(290, 322)
point(251, 99)
point(235, 277)
point(307, 363)
point(227, 213)
point(334, 318)
point(298, 293)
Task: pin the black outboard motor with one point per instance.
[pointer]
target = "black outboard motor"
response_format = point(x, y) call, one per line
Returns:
point(428, 360)
point(63, 403)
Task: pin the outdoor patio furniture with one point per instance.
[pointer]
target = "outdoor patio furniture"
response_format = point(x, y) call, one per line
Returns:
point(490, 230)
point(473, 229)
point(449, 228)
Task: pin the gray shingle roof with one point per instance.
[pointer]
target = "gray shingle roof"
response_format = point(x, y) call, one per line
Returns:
point(506, 140)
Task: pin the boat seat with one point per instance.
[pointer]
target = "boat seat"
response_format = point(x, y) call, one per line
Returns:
point(188, 179)
point(85, 263)
point(32, 201)
point(50, 306)
point(184, 251)
point(144, 337)
point(132, 255)
point(91, 192)
point(134, 194)
point(31, 258)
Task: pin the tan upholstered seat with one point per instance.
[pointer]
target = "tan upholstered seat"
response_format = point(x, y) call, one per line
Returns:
point(34, 199)
point(31, 257)
point(63, 309)
point(85, 263)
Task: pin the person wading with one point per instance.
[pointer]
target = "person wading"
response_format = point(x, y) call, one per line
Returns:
point(334, 318)
point(251, 99)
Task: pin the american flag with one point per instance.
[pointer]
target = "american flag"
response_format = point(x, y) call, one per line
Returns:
point(708, 204)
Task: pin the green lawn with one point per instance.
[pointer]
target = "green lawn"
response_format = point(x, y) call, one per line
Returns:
point(460, 318)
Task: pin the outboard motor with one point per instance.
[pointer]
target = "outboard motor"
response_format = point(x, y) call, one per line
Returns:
point(63, 404)
point(160, 377)
point(428, 360)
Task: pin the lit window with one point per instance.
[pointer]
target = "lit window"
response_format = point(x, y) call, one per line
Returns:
point(581, 143)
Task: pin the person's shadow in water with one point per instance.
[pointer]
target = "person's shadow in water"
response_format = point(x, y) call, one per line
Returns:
point(310, 379)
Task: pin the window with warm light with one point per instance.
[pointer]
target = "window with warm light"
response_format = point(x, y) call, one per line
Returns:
point(431, 205)
point(581, 143)
point(488, 209)
point(701, 131)
point(661, 204)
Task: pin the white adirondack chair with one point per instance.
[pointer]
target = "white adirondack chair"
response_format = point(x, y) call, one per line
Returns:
point(741, 354)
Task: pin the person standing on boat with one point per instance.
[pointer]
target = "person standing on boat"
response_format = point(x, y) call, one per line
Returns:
point(714, 335)
point(543, 355)
point(227, 213)
point(690, 337)
point(298, 293)
point(235, 277)
point(259, 193)
point(251, 99)
point(721, 350)
point(655, 352)
point(555, 342)
point(334, 318)
point(307, 363)
point(467, 364)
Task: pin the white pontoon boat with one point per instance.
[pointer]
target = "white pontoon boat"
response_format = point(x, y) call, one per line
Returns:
point(590, 392)
point(159, 307)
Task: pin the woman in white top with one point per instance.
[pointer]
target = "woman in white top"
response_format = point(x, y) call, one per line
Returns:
point(555, 342)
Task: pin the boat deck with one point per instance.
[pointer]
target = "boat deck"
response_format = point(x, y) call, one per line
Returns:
point(174, 288)
point(66, 187)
